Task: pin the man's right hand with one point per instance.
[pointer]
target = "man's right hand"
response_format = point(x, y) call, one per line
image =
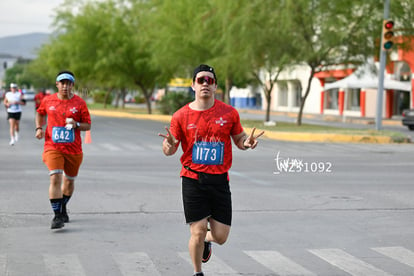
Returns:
point(170, 143)
point(39, 133)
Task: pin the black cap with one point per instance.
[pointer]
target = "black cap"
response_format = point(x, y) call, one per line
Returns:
point(204, 68)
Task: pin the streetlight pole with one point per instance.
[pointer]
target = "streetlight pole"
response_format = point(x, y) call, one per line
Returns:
point(378, 121)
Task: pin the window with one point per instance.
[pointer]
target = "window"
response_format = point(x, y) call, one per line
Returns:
point(331, 99)
point(354, 99)
point(297, 90)
point(282, 94)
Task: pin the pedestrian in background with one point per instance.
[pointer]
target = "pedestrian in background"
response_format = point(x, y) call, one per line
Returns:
point(13, 101)
point(38, 100)
point(68, 115)
point(39, 97)
point(205, 128)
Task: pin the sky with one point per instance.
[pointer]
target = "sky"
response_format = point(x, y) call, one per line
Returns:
point(26, 16)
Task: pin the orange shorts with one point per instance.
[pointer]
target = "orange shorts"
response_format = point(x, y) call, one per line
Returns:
point(58, 162)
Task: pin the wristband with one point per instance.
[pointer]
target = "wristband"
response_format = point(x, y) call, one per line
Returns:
point(38, 128)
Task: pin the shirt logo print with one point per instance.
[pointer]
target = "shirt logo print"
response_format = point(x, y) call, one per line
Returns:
point(73, 110)
point(221, 122)
point(191, 126)
point(52, 107)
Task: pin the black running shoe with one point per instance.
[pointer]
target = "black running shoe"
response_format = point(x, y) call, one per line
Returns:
point(206, 252)
point(65, 217)
point(57, 222)
point(198, 274)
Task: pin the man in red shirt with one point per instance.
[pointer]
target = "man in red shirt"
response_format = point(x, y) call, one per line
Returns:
point(38, 98)
point(68, 115)
point(205, 128)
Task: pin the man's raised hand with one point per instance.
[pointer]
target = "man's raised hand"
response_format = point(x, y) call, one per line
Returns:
point(251, 140)
point(169, 144)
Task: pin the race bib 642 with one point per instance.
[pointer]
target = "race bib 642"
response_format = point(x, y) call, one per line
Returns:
point(62, 135)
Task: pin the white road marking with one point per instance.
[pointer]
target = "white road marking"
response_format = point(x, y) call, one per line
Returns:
point(278, 263)
point(63, 265)
point(397, 253)
point(135, 264)
point(347, 262)
point(215, 265)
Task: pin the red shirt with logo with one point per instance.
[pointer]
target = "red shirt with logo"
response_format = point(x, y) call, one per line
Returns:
point(57, 137)
point(205, 137)
point(38, 99)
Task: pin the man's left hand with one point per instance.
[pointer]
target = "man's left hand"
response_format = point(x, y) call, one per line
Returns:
point(251, 140)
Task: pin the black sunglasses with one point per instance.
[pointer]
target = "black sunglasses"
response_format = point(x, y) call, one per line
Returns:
point(208, 79)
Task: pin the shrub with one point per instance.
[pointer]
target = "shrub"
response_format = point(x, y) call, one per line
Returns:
point(139, 99)
point(99, 97)
point(173, 101)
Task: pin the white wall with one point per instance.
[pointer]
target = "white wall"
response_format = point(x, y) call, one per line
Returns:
point(293, 76)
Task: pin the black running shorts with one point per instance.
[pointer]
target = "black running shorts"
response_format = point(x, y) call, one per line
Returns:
point(14, 115)
point(208, 197)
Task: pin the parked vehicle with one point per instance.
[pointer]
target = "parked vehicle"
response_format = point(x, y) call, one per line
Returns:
point(408, 118)
point(29, 95)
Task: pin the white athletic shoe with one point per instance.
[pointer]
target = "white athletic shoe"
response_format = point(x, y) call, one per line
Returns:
point(16, 136)
point(11, 143)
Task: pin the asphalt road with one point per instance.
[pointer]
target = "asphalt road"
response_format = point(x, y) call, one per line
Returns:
point(299, 208)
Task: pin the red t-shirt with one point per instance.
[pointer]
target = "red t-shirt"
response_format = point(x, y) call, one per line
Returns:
point(38, 99)
point(56, 136)
point(205, 137)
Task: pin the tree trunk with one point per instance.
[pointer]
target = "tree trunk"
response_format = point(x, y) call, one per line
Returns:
point(147, 96)
point(117, 99)
point(148, 102)
point(268, 94)
point(268, 99)
point(304, 97)
point(123, 92)
point(107, 96)
point(226, 92)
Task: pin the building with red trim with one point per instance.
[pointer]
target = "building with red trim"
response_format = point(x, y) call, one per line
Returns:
point(361, 101)
point(348, 102)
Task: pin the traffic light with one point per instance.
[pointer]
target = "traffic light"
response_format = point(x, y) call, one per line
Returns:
point(387, 35)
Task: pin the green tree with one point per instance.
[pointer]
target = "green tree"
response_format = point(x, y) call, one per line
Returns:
point(17, 74)
point(118, 45)
point(104, 44)
point(334, 32)
point(266, 37)
point(171, 36)
point(228, 42)
point(181, 39)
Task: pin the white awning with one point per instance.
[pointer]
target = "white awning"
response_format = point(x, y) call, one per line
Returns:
point(364, 77)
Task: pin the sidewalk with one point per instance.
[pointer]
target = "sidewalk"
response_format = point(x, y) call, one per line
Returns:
point(289, 117)
point(335, 120)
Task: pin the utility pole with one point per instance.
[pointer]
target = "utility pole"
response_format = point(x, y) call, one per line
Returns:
point(380, 95)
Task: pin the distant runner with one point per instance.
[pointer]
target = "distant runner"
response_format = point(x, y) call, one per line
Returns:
point(13, 100)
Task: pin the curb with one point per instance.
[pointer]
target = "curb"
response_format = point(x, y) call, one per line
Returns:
point(325, 137)
point(274, 135)
point(328, 118)
point(119, 114)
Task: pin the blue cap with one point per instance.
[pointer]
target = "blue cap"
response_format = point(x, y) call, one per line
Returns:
point(65, 76)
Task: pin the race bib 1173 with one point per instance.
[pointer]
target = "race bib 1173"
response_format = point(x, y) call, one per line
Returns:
point(62, 135)
point(208, 153)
